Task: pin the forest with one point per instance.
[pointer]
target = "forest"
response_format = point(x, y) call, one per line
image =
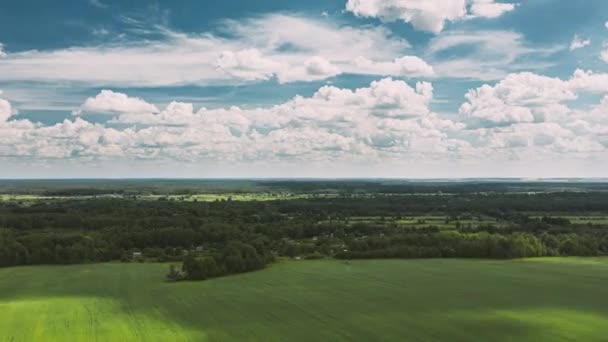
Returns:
point(69, 223)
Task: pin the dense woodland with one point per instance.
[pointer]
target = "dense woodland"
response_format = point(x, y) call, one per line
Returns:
point(221, 237)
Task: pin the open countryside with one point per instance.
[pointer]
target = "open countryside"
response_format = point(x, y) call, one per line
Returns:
point(557, 299)
point(313, 170)
point(299, 261)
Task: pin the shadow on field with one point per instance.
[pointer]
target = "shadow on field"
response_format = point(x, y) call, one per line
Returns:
point(454, 300)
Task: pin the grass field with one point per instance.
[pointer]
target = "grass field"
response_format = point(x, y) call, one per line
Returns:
point(202, 197)
point(440, 221)
point(254, 196)
point(21, 198)
point(593, 218)
point(558, 299)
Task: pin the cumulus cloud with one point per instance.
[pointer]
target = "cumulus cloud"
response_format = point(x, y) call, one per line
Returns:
point(109, 102)
point(490, 8)
point(389, 117)
point(2, 53)
point(528, 135)
point(319, 66)
point(485, 108)
point(251, 65)
point(175, 114)
point(525, 115)
point(589, 81)
point(314, 68)
point(604, 54)
point(579, 42)
point(423, 15)
point(5, 109)
point(429, 15)
point(522, 97)
point(403, 66)
point(329, 106)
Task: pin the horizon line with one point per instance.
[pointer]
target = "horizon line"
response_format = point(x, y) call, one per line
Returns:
point(521, 179)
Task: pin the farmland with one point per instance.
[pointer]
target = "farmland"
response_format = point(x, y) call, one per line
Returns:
point(558, 299)
point(308, 260)
point(77, 221)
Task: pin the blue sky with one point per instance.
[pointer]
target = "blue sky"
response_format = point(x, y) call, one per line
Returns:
point(349, 88)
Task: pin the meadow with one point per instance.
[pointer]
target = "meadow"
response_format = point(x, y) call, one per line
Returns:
point(556, 299)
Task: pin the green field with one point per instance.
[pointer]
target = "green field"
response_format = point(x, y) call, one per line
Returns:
point(202, 197)
point(210, 197)
point(439, 221)
point(579, 219)
point(397, 300)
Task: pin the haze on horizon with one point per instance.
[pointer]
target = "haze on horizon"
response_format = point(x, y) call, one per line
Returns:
point(330, 89)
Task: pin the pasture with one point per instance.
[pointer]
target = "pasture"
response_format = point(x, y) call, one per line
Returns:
point(557, 299)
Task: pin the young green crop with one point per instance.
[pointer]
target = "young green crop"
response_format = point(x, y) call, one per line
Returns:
point(444, 300)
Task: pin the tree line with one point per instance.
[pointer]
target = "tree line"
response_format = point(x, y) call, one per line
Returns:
point(225, 237)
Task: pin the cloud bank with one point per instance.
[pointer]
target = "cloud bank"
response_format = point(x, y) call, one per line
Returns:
point(525, 115)
point(428, 15)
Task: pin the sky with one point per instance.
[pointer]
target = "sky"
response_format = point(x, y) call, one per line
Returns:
point(317, 88)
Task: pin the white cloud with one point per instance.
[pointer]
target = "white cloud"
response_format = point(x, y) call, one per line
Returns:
point(314, 68)
point(329, 105)
point(427, 15)
point(319, 66)
point(525, 116)
point(254, 51)
point(310, 50)
point(599, 115)
point(486, 55)
point(248, 65)
point(2, 53)
point(251, 65)
point(534, 90)
point(387, 118)
point(589, 81)
point(5, 109)
point(523, 97)
point(530, 117)
point(579, 42)
point(423, 15)
point(175, 114)
point(316, 37)
point(403, 66)
point(532, 137)
point(604, 55)
point(109, 102)
point(485, 108)
point(155, 64)
point(489, 8)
